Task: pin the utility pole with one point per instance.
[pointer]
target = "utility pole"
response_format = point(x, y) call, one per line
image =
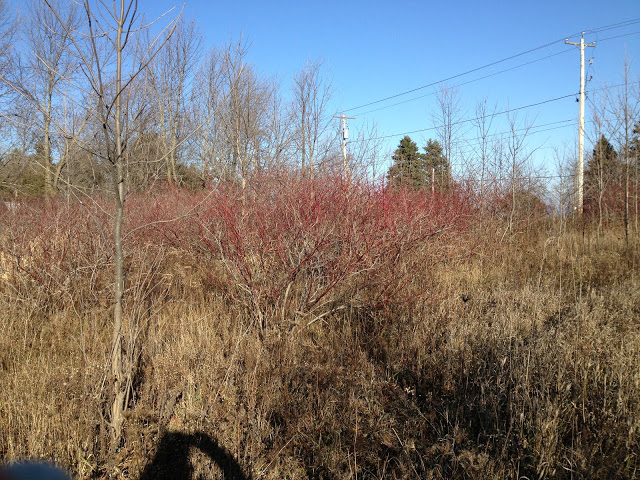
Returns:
point(345, 136)
point(581, 121)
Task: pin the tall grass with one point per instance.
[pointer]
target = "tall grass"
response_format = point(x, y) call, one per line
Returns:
point(316, 331)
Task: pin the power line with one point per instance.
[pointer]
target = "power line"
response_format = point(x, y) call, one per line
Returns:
point(588, 76)
point(595, 30)
point(618, 36)
point(453, 76)
point(531, 131)
point(520, 177)
point(563, 52)
point(510, 110)
point(467, 82)
point(476, 118)
point(604, 28)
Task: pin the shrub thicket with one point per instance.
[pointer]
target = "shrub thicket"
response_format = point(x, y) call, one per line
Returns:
point(310, 329)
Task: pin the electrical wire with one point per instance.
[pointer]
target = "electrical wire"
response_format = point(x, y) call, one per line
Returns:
point(460, 122)
point(540, 47)
point(467, 82)
point(452, 77)
point(498, 73)
point(617, 36)
point(588, 75)
point(604, 28)
point(522, 177)
point(510, 110)
point(531, 131)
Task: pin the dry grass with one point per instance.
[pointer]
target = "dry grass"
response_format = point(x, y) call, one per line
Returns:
point(522, 362)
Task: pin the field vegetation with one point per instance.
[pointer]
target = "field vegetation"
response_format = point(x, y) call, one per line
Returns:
point(200, 277)
point(311, 329)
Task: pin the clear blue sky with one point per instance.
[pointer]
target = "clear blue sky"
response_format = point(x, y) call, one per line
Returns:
point(375, 49)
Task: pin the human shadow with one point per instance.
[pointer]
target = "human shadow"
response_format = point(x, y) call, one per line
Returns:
point(171, 460)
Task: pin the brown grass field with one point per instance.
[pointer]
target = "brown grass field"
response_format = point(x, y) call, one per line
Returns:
point(443, 348)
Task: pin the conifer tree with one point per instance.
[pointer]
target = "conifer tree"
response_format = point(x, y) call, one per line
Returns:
point(437, 164)
point(408, 168)
point(603, 179)
point(415, 170)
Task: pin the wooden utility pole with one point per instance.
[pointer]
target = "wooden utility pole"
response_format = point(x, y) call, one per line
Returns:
point(581, 121)
point(345, 137)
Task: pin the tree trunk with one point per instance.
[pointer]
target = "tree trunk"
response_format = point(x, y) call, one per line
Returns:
point(117, 353)
point(46, 161)
point(117, 356)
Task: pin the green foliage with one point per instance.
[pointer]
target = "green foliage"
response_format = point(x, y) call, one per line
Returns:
point(603, 177)
point(21, 174)
point(435, 159)
point(604, 164)
point(189, 176)
point(634, 148)
point(414, 169)
point(409, 168)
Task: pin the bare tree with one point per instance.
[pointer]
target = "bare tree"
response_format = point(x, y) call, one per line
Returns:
point(483, 122)
point(597, 178)
point(518, 157)
point(626, 108)
point(233, 69)
point(207, 100)
point(7, 37)
point(563, 189)
point(278, 141)
point(171, 73)
point(234, 108)
point(634, 152)
point(365, 150)
point(246, 121)
point(48, 65)
point(448, 119)
point(109, 51)
point(311, 94)
point(253, 106)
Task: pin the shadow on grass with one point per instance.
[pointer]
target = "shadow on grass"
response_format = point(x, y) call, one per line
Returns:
point(171, 460)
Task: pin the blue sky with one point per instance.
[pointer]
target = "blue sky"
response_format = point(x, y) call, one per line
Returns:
point(376, 49)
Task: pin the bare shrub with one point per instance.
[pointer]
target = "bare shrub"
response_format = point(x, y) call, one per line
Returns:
point(306, 247)
point(401, 339)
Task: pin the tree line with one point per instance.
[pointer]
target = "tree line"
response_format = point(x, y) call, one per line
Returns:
point(190, 114)
point(195, 114)
point(498, 167)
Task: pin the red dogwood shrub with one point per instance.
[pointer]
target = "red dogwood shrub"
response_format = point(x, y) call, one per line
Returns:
point(310, 246)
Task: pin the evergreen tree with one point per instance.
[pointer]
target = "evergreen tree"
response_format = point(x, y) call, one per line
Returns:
point(603, 167)
point(434, 159)
point(603, 178)
point(414, 169)
point(408, 168)
point(634, 148)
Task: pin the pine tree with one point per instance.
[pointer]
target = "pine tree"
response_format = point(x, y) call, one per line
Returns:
point(409, 167)
point(634, 148)
point(603, 179)
point(415, 170)
point(434, 159)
